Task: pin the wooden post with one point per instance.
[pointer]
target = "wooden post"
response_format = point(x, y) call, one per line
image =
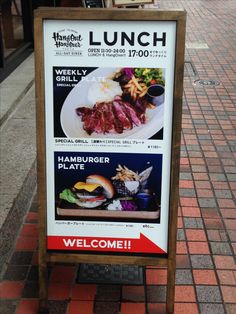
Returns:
point(175, 164)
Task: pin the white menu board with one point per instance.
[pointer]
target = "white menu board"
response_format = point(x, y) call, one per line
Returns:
point(108, 112)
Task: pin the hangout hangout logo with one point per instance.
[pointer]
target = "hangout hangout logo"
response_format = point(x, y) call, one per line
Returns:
point(67, 38)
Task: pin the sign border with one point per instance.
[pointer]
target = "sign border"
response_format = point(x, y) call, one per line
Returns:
point(45, 256)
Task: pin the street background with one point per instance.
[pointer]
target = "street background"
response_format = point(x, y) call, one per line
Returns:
point(206, 269)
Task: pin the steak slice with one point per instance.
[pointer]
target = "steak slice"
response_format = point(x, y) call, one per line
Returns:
point(117, 98)
point(131, 113)
point(99, 109)
point(83, 112)
point(92, 122)
point(121, 115)
point(140, 108)
point(112, 125)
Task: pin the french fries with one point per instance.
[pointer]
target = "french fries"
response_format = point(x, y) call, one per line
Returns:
point(136, 88)
point(135, 82)
point(125, 174)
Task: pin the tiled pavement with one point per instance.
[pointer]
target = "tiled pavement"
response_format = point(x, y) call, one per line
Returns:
point(206, 269)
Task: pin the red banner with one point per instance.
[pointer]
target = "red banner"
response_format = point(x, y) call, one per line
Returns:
point(128, 245)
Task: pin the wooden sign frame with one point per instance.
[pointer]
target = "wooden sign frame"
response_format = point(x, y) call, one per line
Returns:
point(45, 256)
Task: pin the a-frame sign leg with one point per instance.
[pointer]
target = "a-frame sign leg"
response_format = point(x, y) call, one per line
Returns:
point(43, 286)
point(170, 295)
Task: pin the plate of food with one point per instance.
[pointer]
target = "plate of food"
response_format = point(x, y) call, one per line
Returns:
point(116, 103)
point(122, 196)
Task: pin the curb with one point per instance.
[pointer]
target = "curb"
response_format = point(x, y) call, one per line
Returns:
point(5, 117)
point(15, 217)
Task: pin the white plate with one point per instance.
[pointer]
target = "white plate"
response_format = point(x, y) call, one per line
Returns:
point(73, 126)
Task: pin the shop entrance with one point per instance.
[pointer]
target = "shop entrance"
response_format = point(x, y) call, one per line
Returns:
point(16, 32)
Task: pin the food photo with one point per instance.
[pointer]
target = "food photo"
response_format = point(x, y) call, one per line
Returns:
point(121, 190)
point(115, 102)
point(89, 194)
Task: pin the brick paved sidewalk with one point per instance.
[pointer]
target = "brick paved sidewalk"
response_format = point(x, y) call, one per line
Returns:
point(206, 269)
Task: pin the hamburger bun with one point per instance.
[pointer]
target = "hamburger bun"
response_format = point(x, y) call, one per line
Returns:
point(104, 182)
point(89, 204)
point(88, 195)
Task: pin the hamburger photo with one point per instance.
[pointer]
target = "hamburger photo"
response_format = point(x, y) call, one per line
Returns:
point(89, 194)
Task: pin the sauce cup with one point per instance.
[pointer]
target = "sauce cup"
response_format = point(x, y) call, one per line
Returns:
point(143, 201)
point(155, 94)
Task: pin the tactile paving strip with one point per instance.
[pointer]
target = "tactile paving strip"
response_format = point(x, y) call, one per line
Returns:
point(189, 69)
point(110, 274)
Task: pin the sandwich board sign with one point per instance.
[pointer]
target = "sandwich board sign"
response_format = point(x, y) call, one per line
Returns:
point(109, 96)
